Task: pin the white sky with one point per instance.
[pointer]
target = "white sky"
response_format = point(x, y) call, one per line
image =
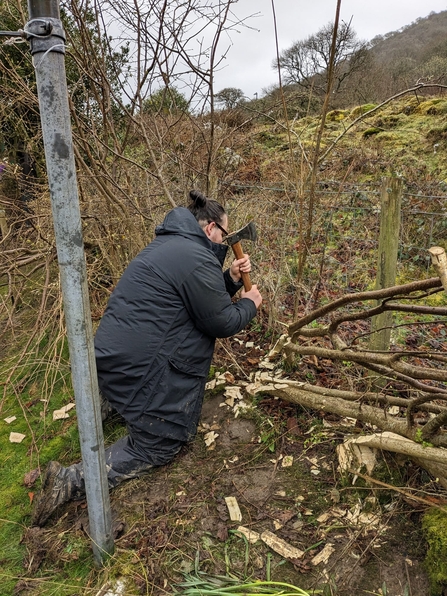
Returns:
point(248, 62)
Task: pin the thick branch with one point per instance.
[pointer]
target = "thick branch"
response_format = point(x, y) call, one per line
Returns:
point(405, 446)
point(362, 412)
point(415, 286)
point(433, 426)
point(391, 361)
point(376, 398)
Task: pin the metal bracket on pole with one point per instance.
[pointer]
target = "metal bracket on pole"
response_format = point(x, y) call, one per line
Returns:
point(42, 34)
point(46, 36)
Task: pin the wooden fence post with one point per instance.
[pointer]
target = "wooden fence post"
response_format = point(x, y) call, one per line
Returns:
point(391, 199)
point(439, 261)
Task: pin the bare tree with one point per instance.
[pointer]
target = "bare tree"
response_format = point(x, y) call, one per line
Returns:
point(306, 62)
point(132, 164)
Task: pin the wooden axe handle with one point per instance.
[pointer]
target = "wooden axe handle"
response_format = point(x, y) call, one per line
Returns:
point(239, 254)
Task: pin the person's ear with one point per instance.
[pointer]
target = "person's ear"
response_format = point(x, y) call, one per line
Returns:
point(208, 229)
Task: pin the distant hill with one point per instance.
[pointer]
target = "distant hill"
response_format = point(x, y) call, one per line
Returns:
point(395, 61)
point(400, 59)
point(417, 41)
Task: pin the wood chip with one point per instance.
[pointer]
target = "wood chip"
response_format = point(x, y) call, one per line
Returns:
point(323, 556)
point(119, 589)
point(250, 535)
point(287, 461)
point(16, 437)
point(233, 392)
point(10, 419)
point(233, 509)
point(60, 414)
point(280, 546)
point(210, 438)
point(229, 377)
point(268, 365)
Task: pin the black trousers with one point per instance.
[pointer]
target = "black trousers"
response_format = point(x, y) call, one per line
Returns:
point(131, 456)
point(136, 453)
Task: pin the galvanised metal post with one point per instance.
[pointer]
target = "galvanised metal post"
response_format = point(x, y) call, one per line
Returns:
point(46, 36)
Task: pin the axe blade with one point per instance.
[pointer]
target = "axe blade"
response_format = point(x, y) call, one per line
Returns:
point(248, 232)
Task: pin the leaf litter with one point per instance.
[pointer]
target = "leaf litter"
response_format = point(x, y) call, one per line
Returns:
point(293, 520)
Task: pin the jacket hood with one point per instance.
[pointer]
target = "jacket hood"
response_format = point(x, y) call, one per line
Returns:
point(182, 222)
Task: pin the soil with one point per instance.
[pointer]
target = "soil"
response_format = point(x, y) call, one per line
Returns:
point(176, 521)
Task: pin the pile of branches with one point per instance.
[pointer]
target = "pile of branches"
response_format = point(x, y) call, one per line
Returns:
point(411, 383)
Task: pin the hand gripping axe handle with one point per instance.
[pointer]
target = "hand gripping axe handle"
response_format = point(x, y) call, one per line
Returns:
point(248, 232)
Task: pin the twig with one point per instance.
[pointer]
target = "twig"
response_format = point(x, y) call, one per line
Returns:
point(399, 490)
point(234, 360)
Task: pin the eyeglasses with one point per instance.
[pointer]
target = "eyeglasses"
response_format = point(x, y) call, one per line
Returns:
point(223, 230)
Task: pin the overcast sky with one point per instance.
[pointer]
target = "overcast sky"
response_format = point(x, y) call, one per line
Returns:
point(248, 63)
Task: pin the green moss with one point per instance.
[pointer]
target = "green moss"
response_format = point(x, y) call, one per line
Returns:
point(389, 121)
point(369, 132)
point(393, 138)
point(337, 115)
point(434, 524)
point(410, 105)
point(269, 140)
point(360, 110)
point(433, 106)
point(437, 134)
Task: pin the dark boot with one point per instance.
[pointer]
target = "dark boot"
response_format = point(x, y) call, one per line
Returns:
point(59, 486)
point(106, 408)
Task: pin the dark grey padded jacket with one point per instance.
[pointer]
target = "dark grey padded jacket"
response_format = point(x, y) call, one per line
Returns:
point(155, 342)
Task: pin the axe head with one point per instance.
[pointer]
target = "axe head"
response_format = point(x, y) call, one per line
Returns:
point(248, 232)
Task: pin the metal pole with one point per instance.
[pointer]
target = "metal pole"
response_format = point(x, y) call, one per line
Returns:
point(47, 38)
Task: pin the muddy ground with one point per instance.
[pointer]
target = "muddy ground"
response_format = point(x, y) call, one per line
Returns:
point(279, 461)
point(177, 518)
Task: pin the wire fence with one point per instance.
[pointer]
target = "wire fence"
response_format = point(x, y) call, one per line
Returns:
point(345, 233)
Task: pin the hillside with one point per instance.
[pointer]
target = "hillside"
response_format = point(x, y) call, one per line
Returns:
point(416, 41)
point(390, 63)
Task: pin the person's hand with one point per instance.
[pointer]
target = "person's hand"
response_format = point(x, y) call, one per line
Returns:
point(239, 266)
point(254, 295)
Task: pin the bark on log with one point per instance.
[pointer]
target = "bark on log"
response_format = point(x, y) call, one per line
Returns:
point(4, 228)
point(362, 412)
point(363, 449)
point(379, 399)
point(398, 444)
point(435, 466)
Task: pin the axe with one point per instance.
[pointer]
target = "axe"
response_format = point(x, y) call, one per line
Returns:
point(248, 232)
